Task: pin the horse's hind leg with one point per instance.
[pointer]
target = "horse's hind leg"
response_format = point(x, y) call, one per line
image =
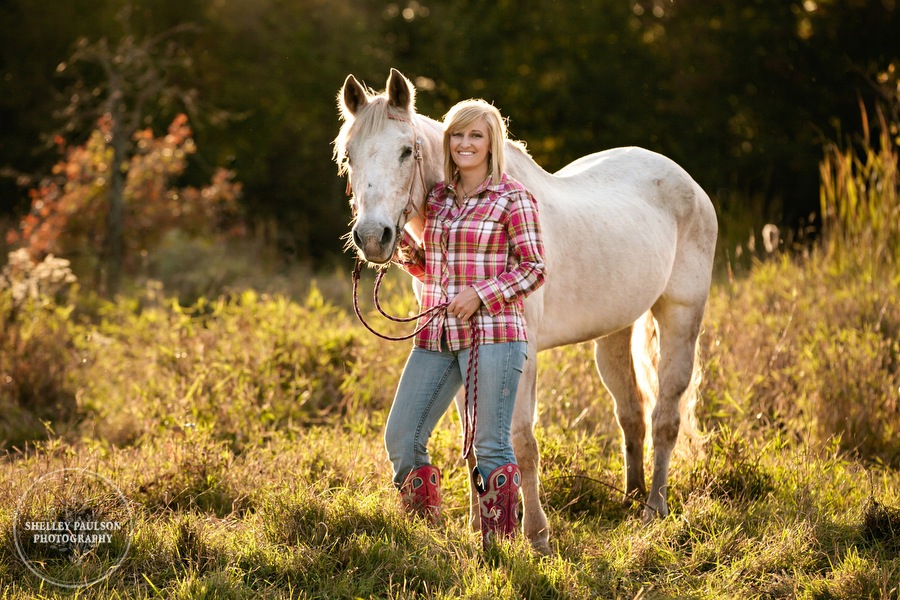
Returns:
point(525, 446)
point(616, 367)
point(679, 326)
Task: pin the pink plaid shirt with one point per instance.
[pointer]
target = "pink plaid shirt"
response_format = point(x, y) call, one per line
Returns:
point(492, 243)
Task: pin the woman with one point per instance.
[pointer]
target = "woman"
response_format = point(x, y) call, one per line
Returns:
point(482, 253)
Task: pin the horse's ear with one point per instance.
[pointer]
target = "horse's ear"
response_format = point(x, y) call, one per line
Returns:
point(353, 96)
point(401, 93)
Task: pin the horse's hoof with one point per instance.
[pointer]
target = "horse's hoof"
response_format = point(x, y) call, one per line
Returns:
point(651, 513)
point(540, 541)
point(541, 546)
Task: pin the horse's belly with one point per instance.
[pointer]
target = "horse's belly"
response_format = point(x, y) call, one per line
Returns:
point(592, 291)
point(570, 319)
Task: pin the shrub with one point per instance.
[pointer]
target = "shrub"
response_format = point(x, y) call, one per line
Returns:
point(70, 210)
point(35, 348)
point(238, 365)
point(803, 347)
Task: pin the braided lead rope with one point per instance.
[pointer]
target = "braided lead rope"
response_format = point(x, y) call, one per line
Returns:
point(432, 312)
point(471, 371)
point(469, 424)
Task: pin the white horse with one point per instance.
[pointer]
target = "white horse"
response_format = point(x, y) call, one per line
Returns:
point(629, 239)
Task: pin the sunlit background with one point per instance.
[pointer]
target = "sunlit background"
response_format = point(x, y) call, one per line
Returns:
point(742, 94)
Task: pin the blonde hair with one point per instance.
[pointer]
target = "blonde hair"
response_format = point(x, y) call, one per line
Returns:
point(462, 116)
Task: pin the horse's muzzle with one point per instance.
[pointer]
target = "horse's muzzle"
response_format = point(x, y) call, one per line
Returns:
point(375, 241)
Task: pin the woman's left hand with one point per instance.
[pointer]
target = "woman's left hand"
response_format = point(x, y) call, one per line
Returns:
point(465, 304)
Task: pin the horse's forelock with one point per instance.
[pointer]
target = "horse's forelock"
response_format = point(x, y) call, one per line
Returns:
point(369, 120)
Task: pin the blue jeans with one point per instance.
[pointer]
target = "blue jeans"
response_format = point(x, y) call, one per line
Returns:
point(429, 382)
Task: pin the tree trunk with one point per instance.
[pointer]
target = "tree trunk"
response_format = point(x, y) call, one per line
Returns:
point(115, 219)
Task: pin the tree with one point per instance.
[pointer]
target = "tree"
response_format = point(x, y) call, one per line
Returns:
point(70, 208)
point(278, 66)
point(741, 94)
point(134, 75)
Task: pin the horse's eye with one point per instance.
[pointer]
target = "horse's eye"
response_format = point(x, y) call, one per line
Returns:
point(407, 151)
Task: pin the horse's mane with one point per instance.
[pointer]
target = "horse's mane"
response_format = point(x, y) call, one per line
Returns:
point(521, 146)
point(367, 121)
point(520, 163)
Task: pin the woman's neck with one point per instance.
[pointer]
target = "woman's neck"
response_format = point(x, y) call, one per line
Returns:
point(471, 179)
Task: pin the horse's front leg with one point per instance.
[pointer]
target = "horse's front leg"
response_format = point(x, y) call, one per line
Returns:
point(525, 446)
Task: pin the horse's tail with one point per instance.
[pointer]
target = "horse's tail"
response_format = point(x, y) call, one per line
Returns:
point(690, 426)
point(645, 353)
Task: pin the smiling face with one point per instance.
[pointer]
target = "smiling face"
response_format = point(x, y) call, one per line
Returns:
point(474, 138)
point(470, 149)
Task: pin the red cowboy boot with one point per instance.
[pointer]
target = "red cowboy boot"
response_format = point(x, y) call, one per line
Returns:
point(420, 494)
point(498, 501)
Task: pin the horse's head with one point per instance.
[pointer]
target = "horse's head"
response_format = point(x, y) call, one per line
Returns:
point(378, 149)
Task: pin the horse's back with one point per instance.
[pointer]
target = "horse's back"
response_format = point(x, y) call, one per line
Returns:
point(613, 222)
point(631, 178)
point(584, 163)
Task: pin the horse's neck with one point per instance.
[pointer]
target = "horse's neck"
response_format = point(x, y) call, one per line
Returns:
point(522, 167)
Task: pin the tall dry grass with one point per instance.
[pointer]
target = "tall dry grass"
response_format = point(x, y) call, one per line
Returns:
point(860, 196)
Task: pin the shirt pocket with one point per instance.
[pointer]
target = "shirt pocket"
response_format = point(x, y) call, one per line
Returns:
point(486, 230)
point(487, 238)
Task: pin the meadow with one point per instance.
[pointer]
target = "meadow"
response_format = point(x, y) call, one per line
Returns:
point(244, 430)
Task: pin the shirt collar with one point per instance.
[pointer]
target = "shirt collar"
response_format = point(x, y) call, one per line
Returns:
point(486, 185)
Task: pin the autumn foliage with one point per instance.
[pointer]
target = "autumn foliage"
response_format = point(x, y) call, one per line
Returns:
point(69, 209)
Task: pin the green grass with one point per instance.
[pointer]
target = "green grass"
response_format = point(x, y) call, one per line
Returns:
point(245, 430)
point(312, 521)
point(247, 434)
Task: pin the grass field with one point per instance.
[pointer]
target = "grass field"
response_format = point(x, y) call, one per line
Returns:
point(245, 433)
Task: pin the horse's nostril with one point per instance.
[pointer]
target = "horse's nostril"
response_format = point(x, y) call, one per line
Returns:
point(356, 239)
point(386, 236)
